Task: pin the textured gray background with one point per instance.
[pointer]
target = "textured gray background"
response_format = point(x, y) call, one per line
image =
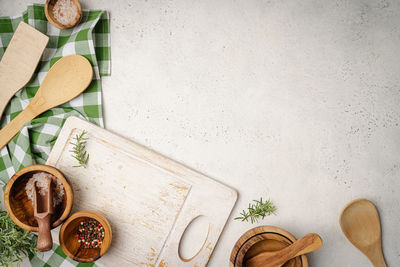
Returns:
point(297, 101)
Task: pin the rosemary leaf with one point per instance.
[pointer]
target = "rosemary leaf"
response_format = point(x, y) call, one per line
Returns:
point(78, 150)
point(257, 210)
point(15, 243)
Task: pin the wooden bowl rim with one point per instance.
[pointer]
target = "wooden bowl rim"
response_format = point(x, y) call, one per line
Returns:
point(248, 235)
point(44, 168)
point(94, 215)
point(58, 24)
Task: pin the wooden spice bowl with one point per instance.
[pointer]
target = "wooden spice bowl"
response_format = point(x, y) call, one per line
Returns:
point(20, 207)
point(69, 242)
point(48, 11)
point(261, 239)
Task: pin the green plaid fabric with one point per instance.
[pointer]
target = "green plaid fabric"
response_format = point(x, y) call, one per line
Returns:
point(56, 257)
point(32, 145)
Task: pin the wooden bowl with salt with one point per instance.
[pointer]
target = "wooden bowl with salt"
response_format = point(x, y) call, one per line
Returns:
point(20, 207)
point(63, 14)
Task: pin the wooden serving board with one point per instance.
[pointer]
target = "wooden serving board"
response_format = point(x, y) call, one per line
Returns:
point(148, 199)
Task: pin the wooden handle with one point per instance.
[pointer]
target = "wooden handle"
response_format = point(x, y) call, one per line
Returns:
point(183, 227)
point(376, 257)
point(12, 128)
point(44, 242)
point(308, 243)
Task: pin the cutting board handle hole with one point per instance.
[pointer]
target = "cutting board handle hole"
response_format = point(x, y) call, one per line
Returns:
point(194, 238)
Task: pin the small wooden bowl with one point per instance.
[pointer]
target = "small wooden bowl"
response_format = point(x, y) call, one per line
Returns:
point(20, 207)
point(48, 11)
point(261, 239)
point(69, 243)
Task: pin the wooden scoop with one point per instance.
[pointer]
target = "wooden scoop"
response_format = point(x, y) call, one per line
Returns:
point(360, 224)
point(43, 209)
point(66, 79)
point(20, 60)
point(308, 243)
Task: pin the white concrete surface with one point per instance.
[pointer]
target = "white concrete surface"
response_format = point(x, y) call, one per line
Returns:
point(297, 101)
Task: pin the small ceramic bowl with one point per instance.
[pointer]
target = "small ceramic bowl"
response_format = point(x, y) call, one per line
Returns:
point(20, 207)
point(69, 242)
point(261, 239)
point(48, 11)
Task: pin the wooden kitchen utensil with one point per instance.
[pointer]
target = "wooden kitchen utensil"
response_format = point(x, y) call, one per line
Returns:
point(360, 224)
point(264, 239)
point(149, 200)
point(43, 210)
point(19, 61)
point(66, 79)
point(307, 244)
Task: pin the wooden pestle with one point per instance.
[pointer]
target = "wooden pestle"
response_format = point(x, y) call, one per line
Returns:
point(302, 246)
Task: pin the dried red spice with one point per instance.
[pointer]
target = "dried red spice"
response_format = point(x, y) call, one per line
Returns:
point(90, 233)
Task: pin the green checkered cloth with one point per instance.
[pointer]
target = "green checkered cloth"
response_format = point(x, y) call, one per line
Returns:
point(57, 257)
point(32, 145)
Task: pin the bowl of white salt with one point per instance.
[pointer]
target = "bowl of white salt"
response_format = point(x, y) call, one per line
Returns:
point(63, 14)
point(18, 195)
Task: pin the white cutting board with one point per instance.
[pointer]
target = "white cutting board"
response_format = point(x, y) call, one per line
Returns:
point(148, 199)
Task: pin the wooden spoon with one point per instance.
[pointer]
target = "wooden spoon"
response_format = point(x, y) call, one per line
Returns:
point(360, 224)
point(66, 79)
point(306, 244)
point(43, 209)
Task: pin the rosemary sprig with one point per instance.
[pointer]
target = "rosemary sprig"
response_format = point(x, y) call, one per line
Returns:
point(78, 150)
point(258, 210)
point(14, 242)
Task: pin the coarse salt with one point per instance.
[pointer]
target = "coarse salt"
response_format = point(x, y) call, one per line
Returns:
point(65, 11)
point(40, 179)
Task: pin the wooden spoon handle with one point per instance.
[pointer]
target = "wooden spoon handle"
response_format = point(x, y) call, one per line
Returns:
point(376, 256)
point(44, 242)
point(302, 246)
point(312, 242)
point(14, 126)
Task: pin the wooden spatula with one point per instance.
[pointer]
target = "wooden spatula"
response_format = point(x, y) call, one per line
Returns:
point(19, 61)
point(43, 209)
point(360, 224)
point(66, 79)
point(308, 243)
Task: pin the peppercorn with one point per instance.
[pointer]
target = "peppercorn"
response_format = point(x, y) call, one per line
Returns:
point(90, 233)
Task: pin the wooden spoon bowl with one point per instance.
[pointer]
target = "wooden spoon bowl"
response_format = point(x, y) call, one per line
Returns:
point(48, 11)
point(261, 239)
point(69, 242)
point(19, 206)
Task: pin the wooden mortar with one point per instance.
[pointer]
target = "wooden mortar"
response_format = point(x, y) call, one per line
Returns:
point(260, 239)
